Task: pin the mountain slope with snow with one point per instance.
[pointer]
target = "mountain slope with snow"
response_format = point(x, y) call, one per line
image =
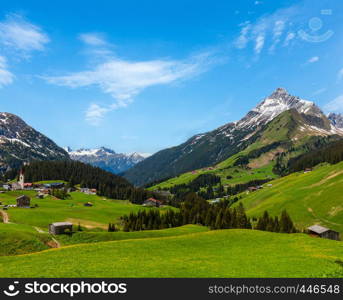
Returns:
point(21, 143)
point(207, 149)
point(106, 159)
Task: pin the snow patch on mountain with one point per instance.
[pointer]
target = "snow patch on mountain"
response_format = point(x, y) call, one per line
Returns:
point(106, 158)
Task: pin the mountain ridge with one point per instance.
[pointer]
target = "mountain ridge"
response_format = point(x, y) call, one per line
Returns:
point(106, 158)
point(207, 149)
point(21, 143)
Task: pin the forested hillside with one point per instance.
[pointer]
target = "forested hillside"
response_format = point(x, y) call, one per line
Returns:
point(106, 183)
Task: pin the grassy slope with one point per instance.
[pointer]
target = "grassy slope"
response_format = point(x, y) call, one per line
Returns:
point(223, 169)
point(222, 253)
point(73, 209)
point(314, 197)
point(93, 237)
point(19, 239)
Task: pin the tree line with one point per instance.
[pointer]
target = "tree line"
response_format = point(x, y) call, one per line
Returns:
point(75, 172)
point(196, 210)
point(332, 153)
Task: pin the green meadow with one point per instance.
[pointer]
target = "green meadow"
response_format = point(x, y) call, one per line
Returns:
point(51, 210)
point(310, 198)
point(19, 239)
point(220, 253)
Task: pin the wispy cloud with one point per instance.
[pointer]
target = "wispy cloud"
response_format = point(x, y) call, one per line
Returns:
point(20, 35)
point(319, 91)
point(269, 30)
point(93, 39)
point(336, 105)
point(124, 79)
point(313, 59)
point(6, 77)
point(18, 38)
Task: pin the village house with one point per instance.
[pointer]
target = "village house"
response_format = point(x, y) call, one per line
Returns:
point(60, 228)
point(88, 191)
point(323, 232)
point(16, 186)
point(88, 204)
point(23, 201)
point(7, 187)
point(152, 202)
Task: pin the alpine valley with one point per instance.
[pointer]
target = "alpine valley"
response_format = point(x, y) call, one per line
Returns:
point(260, 197)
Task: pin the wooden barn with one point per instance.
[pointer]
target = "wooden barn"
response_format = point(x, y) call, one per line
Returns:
point(23, 201)
point(323, 232)
point(60, 228)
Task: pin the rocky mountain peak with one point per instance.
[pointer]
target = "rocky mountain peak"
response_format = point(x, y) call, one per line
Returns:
point(106, 158)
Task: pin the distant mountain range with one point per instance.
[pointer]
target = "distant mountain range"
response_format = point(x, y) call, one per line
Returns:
point(21, 143)
point(106, 159)
point(304, 120)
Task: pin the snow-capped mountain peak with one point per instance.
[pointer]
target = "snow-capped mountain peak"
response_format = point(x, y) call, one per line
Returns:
point(278, 102)
point(106, 158)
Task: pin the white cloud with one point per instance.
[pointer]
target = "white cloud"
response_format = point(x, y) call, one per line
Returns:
point(95, 113)
point(18, 34)
point(124, 79)
point(259, 43)
point(269, 30)
point(289, 37)
point(243, 39)
point(313, 59)
point(93, 39)
point(336, 105)
point(6, 77)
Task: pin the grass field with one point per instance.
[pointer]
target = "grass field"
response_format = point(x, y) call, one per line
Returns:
point(19, 239)
point(222, 253)
point(51, 210)
point(310, 198)
point(93, 237)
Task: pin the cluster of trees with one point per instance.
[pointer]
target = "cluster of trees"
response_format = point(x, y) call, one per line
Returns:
point(203, 184)
point(194, 210)
point(332, 153)
point(283, 225)
point(290, 161)
point(60, 193)
point(112, 227)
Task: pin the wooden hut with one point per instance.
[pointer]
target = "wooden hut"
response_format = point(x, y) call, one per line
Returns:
point(23, 201)
point(323, 232)
point(60, 228)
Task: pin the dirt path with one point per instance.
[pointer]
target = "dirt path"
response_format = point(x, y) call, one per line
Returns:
point(5, 217)
point(54, 243)
point(39, 230)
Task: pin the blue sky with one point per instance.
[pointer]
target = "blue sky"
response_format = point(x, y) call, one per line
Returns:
point(146, 75)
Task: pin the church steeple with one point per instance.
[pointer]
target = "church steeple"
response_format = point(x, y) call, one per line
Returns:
point(21, 179)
